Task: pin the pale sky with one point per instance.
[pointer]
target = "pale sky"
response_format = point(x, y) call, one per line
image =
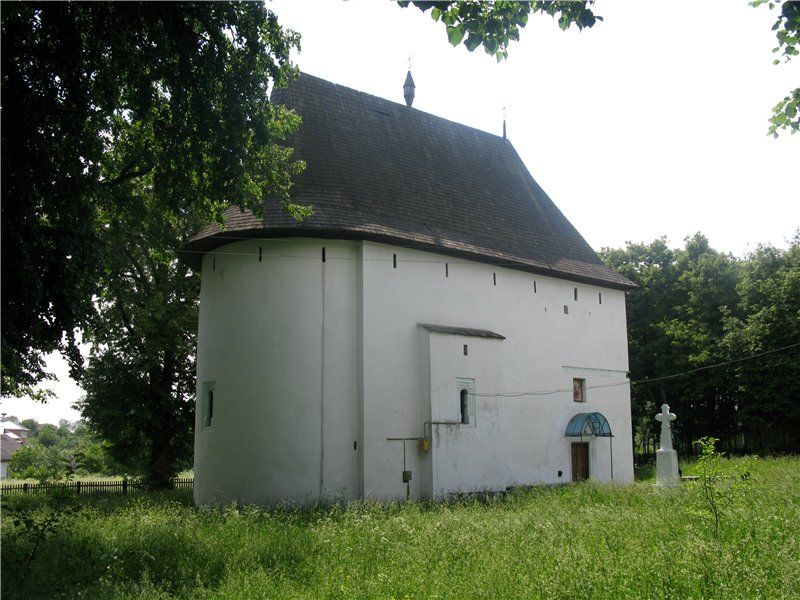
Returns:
point(651, 123)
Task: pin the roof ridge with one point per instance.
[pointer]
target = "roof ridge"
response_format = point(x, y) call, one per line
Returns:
point(403, 107)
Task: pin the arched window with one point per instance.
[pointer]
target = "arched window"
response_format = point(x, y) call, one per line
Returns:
point(464, 395)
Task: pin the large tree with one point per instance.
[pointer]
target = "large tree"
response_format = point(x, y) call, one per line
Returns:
point(697, 307)
point(174, 91)
point(140, 378)
point(675, 324)
point(768, 318)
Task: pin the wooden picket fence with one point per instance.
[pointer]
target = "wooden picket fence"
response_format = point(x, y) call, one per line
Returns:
point(122, 486)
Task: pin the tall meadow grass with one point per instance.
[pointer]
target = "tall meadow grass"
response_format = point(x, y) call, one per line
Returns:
point(575, 541)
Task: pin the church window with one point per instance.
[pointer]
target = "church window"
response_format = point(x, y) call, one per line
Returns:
point(599, 297)
point(578, 390)
point(464, 407)
point(466, 401)
point(534, 287)
point(494, 278)
point(394, 261)
point(466, 350)
point(575, 294)
point(207, 404)
point(446, 270)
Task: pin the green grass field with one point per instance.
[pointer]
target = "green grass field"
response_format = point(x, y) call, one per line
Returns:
point(576, 541)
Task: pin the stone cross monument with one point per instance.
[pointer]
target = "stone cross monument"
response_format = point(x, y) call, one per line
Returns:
point(667, 473)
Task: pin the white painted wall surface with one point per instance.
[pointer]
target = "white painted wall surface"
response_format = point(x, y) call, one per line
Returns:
point(381, 376)
point(517, 441)
point(261, 341)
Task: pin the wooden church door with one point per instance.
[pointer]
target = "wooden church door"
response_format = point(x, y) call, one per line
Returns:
point(580, 461)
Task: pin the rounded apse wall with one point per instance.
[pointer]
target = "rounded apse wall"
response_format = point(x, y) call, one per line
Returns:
point(277, 372)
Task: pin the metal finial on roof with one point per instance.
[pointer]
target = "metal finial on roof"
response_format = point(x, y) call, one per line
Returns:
point(504, 123)
point(408, 89)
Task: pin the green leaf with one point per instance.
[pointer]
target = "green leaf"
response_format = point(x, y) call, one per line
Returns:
point(455, 34)
point(436, 14)
point(472, 42)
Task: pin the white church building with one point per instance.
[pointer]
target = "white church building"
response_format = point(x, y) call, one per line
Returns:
point(436, 327)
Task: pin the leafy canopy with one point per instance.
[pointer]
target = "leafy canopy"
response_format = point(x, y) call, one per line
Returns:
point(785, 113)
point(98, 95)
point(494, 24)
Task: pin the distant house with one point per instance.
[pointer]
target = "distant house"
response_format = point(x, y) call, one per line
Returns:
point(437, 326)
point(12, 438)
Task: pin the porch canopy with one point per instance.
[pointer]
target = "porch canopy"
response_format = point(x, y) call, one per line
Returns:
point(588, 424)
point(592, 424)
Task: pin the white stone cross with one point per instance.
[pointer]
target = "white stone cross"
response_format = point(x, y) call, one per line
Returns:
point(666, 432)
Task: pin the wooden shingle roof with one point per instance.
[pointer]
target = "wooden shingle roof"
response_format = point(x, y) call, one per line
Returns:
point(381, 171)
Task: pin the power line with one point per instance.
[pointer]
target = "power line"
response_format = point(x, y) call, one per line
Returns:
point(641, 381)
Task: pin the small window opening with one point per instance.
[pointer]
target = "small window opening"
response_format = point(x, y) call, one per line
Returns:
point(323, 254)
point(575, 294)
point(578, 390)
point(464, 407)
point(446, 270)
point(207, 406)
point(599, 297)
point(534, 287)
point(394, 260)
point(566, 309)
point(494, 278)
point(466, 350)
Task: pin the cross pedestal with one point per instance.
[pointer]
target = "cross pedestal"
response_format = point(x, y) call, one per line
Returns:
point(667, 473)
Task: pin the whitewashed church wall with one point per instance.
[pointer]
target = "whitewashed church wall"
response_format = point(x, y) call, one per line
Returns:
point(303, 408)
point(260, 344)
point(516, 441)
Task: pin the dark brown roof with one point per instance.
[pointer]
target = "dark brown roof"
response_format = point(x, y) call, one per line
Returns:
point(381, 171)
point(461, 331)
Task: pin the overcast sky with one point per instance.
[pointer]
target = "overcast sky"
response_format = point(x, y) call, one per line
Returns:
point(651, 123)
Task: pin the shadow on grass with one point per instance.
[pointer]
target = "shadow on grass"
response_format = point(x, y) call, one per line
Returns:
point(78, 557)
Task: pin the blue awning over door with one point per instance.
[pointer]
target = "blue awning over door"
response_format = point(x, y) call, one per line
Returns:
point(588, 424)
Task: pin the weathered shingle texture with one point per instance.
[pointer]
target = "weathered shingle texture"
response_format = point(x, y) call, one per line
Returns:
point(379, 170)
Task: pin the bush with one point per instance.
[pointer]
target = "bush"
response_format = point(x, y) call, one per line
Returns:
point(34, 461)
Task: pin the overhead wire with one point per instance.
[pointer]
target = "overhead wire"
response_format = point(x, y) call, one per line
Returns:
point(641, 381)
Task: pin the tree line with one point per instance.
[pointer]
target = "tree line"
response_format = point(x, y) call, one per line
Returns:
point(53, 452)
point(697, 306)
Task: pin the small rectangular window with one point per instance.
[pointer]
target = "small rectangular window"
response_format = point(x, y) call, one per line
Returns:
point(566, 309)
point(599, 297)
point(394, 260)
point(578, 390)
point(534, 287)
point(466, 350)
point(446, 270)
point(494, 278)
point(465, 401)
point(575, 294)
point(207, 404)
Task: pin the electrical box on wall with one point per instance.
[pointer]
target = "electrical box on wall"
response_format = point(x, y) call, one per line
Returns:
point(424, 445)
